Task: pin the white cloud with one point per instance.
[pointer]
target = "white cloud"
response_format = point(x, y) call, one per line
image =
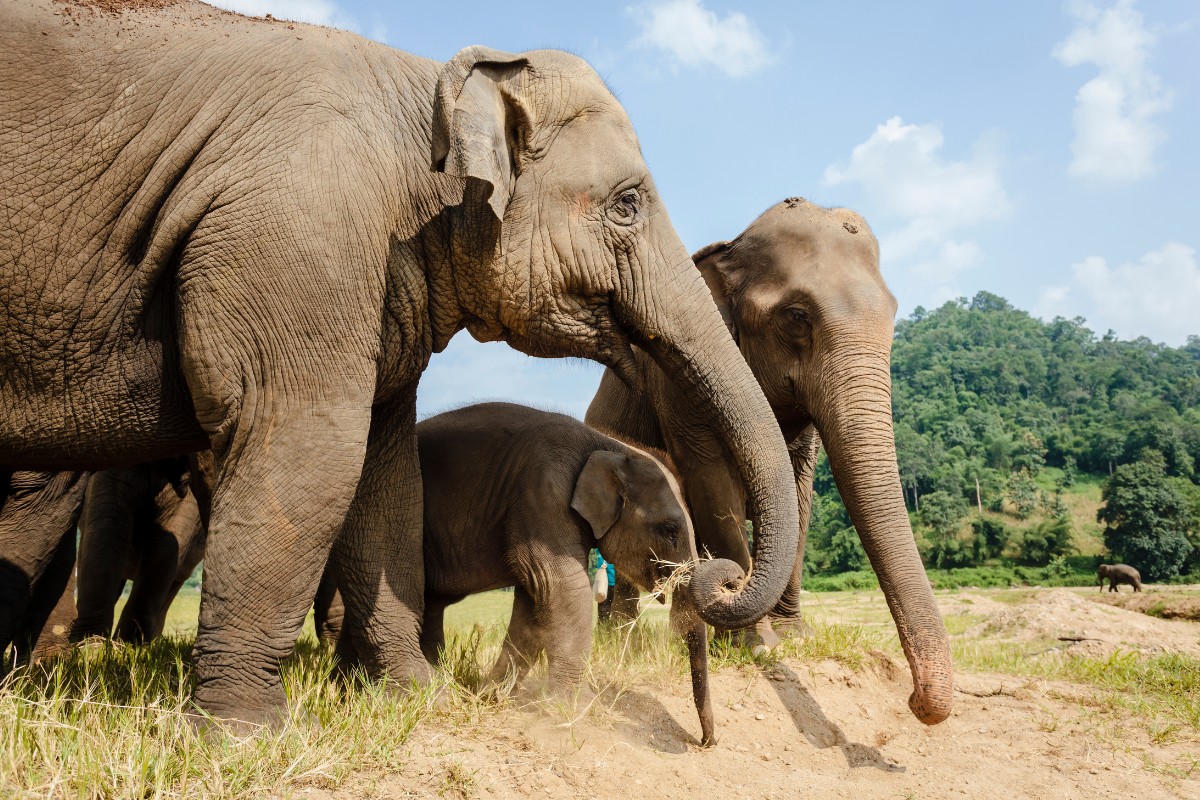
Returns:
point(470, 372)
point(1156, 296)
point(1116, 135)
point(696, 37)
point(316, 12)
point(906, 178)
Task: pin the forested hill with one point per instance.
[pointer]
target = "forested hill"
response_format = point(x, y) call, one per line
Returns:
point(1012, 433)
point(981, 389)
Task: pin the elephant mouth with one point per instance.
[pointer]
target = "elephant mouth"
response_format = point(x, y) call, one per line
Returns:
point(616, 342)
point(610, 341)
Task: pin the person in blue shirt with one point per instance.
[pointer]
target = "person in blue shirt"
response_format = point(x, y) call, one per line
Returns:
point(605, 608)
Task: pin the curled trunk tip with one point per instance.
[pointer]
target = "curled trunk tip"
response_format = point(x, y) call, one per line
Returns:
point(932, 698)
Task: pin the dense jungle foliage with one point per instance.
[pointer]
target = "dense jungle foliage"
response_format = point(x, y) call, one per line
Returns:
point(1035, 448)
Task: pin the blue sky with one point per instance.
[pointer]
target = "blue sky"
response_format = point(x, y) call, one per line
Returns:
point(1043, 151)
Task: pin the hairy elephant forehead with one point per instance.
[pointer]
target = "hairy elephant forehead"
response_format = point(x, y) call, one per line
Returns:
point(798, 214)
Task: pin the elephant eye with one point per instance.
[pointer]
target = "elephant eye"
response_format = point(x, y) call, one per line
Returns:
point(625, 209)
point(669, 530)
point(797, 316)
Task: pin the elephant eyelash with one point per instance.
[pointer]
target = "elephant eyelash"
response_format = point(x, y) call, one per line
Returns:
point(627, 207)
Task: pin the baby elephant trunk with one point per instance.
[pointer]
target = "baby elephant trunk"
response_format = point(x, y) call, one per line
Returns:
point(687, 622)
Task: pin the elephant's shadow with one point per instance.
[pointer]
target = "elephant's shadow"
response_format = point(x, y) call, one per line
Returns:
point(645, 713)
point(817, 728)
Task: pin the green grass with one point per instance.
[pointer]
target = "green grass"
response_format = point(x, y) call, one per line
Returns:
point(1159, 691)
point(112, 721)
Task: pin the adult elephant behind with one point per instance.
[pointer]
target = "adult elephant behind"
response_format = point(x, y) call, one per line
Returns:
point(801, 292)
point(226, 231)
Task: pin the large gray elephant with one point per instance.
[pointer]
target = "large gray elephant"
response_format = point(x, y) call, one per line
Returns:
point(801, 292)
point(518, 497)
point(142, 525)
point(251, 235)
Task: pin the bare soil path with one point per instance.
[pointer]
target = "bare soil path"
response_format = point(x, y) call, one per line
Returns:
point(817, 730)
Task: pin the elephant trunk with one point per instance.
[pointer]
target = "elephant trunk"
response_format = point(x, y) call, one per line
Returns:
point(684, 334)
point(858, 438)
point(687, 623)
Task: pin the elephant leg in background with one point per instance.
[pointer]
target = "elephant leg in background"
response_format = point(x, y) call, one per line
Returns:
point(520, 648)
point(625, 597)
point(328, 610)
point(38, 509)
point(785, 617)
point(154, 587)
point(433, 629)
point(172, 546)
point(718, 507)
point(378, 558)
point(51, 611)
point(107, 550)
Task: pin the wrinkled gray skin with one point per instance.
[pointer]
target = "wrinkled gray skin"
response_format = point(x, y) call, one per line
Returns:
point(517, 497)
point(252, 235)
point(140, 524)
point(38, 514)
point(801, 292)
point(1118, 573)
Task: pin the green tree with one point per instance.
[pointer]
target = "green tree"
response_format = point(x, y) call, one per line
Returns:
point(988, 538)
point(941, 513)
point(1147, 522)
point(1022, 491)
point(1049, 539)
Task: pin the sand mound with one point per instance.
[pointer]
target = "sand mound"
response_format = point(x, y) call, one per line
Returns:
point(1092, 627)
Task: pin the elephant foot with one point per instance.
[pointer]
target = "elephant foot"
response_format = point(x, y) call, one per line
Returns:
point(791, 626)
point(242, 707)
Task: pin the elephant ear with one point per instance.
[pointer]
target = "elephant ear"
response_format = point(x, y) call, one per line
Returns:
point(718, 270)
point(480, 124)
point(599, 491)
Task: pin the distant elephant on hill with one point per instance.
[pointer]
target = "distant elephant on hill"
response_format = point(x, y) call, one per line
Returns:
point(801, 293)
point(251, 235)
point(1118, 573)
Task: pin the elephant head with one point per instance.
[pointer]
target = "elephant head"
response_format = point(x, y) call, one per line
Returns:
point(801, 291)
point(581, 260)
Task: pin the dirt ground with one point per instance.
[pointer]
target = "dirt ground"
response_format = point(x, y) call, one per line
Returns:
point(822, 730)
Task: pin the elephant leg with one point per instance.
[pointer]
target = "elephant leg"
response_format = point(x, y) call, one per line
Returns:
point(52, 607)
point(328, 610)
point(785, 618)
point(378, 558)
point(37, 509)
point(521, 648)
point(625, 597)
point(560, 624)
point(271, 528)
point(152, 588)
point(106, 548)
point(433, 629)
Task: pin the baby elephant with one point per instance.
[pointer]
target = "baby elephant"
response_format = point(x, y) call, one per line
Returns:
point(1119, 573)
point(517, 497)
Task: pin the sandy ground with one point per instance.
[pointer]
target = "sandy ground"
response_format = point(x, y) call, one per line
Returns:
point(822, 730)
